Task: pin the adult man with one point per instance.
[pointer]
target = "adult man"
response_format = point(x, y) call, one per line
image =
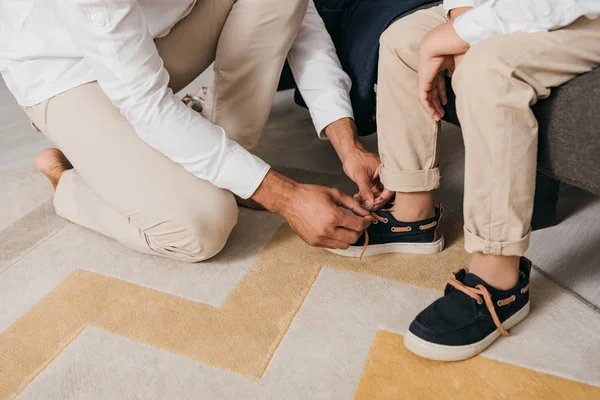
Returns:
point(97, 77)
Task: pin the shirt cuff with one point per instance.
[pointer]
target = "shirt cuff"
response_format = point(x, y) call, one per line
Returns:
point(241, 172)
point(477, 24)
point(329, 107)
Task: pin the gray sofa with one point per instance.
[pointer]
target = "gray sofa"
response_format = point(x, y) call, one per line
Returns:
point(569, 143)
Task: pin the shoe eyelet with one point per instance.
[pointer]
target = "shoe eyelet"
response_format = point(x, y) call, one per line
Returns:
point(510, 300)
point(375, 222)
point(480, 302)
point(385, 221)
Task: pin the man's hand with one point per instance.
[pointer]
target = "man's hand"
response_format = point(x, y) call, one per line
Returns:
point(314, 212)
point(363, 168)
point(436, 55)
point(359, 164)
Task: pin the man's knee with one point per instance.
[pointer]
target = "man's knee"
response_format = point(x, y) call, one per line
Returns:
point(196, 232)
point(206, 241)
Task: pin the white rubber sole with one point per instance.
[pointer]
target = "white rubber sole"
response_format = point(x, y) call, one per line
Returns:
point(438, 352)
point(407, 248)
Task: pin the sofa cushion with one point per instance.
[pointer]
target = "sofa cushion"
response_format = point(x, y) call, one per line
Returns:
point(569, 141)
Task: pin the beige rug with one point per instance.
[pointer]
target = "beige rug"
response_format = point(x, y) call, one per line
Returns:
point(82, 317)
point(292, 322)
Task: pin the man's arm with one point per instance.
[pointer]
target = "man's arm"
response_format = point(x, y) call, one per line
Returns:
point(116, 44)
point(359, 164)
point(325, 88)
point(314, 212)
point(324, 85)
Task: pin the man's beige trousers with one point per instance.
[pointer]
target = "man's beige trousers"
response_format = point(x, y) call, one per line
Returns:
point(497, 82)
point(125, 189)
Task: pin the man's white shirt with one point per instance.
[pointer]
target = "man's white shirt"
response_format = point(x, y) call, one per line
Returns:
point(49, 47)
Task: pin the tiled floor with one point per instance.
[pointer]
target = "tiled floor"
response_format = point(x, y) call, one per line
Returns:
point(569, 253)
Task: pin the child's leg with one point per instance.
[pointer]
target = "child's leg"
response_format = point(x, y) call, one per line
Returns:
point(407, 134)
point(407, 145)
point(495, 85)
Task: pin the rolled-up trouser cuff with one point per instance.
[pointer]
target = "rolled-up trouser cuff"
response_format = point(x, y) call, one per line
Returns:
point(410, 181)
point(475, 244)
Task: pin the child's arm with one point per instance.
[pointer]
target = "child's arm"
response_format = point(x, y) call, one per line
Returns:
point(454, 13)
point(510, 16)
point(436, 54)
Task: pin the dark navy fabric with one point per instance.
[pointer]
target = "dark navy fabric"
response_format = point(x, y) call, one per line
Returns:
point(355, 27)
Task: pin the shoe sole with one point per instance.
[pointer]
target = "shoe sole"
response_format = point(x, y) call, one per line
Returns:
point(438, 352)
point(407, 248)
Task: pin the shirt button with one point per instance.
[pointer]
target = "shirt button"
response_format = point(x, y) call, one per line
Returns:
point(99, 20)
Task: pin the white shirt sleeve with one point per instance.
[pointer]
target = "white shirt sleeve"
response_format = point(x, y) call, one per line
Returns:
point(452, 4)
point(324, 85)
point(495, 17)
point(115, 41)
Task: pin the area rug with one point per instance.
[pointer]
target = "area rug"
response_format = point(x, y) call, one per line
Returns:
point(82, 317)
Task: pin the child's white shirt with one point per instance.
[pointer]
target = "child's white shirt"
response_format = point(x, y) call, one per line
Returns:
point(497, 17)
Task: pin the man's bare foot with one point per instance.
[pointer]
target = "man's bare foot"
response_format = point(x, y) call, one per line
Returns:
point(52, 163)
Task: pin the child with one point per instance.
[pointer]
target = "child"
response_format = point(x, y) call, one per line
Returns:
point(505, 55)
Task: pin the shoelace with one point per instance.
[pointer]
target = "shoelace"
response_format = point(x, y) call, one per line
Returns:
point(481, 291)
point(366, 244)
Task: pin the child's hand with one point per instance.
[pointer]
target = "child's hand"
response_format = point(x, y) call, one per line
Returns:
point(436, 54)
point(431, 83)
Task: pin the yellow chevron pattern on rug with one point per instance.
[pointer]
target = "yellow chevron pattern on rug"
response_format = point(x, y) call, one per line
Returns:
point(392, 372)
point(241, 336)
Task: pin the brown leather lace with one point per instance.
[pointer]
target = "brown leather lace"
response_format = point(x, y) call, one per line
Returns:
point(366, 243)
point(481, 294)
